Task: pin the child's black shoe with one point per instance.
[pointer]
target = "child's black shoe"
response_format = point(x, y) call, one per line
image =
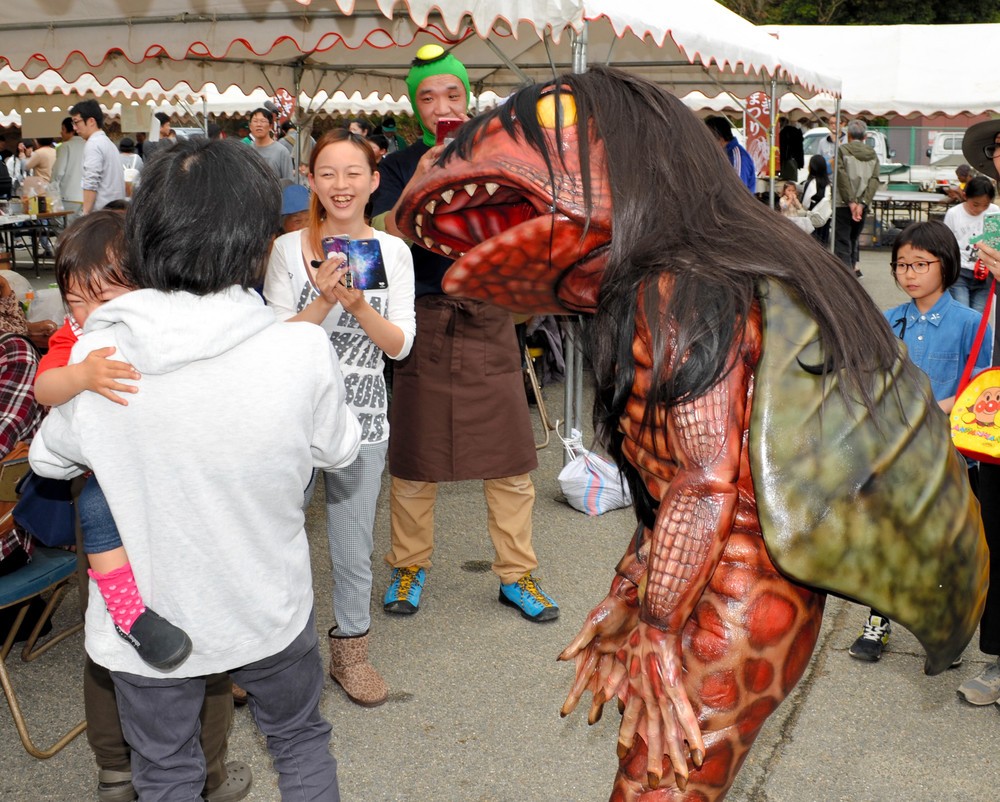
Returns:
point(157, 641)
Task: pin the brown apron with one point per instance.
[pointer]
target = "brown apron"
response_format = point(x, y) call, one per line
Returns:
point(458, 407)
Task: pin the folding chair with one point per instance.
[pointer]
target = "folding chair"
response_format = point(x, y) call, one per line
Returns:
point(49, 572)
point(536, 386)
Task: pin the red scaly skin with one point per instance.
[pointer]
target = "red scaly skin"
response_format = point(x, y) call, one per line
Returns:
point(711, 637)
point(700, 638)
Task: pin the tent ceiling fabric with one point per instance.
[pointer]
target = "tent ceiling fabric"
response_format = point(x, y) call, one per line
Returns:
point(366, 45)
point(898, 69)
point(19, 93)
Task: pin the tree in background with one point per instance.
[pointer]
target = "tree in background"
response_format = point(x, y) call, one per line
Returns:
point(865, 12)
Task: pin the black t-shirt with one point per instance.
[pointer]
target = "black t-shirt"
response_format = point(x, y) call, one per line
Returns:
point(395, 171)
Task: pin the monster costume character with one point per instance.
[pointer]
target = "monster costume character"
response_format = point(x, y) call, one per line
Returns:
point(777, 441)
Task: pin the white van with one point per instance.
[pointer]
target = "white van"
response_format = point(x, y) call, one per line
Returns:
point(812, 139)
point(946, 143)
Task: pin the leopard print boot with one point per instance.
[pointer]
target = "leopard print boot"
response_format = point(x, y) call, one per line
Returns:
point(350, 668)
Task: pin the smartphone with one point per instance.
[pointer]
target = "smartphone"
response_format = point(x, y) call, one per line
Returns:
point(446, 126)
point(335, 245)
point(364, 258)
point(367, 267)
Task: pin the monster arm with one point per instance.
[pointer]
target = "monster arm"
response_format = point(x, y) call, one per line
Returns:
point(696, 514)
point(698, 506)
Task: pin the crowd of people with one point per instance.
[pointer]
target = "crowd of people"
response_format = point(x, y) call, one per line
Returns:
point(179, 295)
point(150, 322)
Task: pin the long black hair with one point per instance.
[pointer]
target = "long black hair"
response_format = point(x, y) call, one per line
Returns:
point(679, 209)
point(819, 176)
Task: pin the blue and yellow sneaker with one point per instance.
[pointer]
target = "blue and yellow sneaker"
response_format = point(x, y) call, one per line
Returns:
point(527, 596)
point(403, 595)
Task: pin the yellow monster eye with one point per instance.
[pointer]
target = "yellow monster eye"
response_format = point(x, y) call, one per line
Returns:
point(548, 117)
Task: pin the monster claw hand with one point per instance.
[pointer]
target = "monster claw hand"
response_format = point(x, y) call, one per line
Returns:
point(595, 649)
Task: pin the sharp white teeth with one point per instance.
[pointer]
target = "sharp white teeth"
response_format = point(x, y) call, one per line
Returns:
point(431, 206)
point(419, 230)
point(447, 195)
point(446, 250)
point(491, 188)
point(428, 243)
point(471, 189)
point(419, 220)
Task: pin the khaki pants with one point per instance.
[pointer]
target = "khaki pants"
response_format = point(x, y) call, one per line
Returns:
point(509, 502)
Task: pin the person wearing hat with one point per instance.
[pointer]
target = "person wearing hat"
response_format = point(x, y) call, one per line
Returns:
point(981, 147)
point(131, 164)
point(458, 409)
point(294, 208)
point(388, 129)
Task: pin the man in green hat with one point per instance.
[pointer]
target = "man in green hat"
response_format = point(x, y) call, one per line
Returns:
point(459, 409)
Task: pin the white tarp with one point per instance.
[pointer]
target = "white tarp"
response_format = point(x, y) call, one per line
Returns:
point(366, 45)
point(899, 69)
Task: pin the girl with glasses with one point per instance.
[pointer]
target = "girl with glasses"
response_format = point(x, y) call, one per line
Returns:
point(938, 332)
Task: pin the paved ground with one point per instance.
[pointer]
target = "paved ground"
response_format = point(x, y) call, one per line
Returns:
point(476, 691)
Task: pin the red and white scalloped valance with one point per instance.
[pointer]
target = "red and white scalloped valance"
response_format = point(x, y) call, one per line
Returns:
point(366, 45)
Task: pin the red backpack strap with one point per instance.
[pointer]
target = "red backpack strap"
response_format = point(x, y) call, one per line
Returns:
point(978, 342)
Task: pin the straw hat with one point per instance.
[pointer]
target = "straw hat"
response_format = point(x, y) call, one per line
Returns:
point(976, 138)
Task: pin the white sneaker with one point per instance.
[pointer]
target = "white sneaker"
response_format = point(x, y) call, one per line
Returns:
point(984, 689)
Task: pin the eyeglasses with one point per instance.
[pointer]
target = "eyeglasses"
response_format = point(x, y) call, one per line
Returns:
point(916, 267)
point(989, 150)
point(77, 121)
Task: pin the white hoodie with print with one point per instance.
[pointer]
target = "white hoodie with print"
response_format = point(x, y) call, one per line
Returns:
point(204, 470)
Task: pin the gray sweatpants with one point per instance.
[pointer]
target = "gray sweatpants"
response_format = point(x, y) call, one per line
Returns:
point(160, 721)
point(351, 499)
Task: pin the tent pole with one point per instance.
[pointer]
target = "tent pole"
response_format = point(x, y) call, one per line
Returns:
point(833, 178)
point(770, 136)
point(521, 74)
point(572, 412)
point(296, 91)
point(579, 45)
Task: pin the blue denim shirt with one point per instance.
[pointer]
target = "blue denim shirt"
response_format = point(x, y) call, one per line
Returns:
point(939, 341)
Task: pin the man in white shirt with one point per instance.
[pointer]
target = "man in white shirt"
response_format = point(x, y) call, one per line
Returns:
point(103, 175)
point(68, 171)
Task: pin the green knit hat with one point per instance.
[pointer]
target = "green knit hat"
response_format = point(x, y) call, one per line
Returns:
point(433, 60)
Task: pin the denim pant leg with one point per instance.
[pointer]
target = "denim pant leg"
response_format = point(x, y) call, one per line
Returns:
point(160, 719)
point(978, 293)
point(100, 533)
point(960, 290)
point(283, 694)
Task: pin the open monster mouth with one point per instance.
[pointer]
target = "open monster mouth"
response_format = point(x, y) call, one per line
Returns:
point(512, 247)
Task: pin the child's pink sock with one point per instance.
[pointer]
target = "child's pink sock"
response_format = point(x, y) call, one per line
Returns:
point(121, 595)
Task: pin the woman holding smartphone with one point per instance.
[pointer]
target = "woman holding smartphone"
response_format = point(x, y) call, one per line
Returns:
point(303, 285)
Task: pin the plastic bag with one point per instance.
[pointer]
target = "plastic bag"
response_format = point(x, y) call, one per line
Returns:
point(591, 483)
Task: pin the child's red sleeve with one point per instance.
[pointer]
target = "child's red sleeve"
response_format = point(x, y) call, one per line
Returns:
point(60, 345)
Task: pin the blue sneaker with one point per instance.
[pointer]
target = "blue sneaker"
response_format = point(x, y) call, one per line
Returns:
point(403, 595)
point(527, 596)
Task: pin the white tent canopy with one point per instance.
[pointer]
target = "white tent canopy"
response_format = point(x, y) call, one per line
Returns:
point(898, 69)
point(21, 95)
point(366, 45)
